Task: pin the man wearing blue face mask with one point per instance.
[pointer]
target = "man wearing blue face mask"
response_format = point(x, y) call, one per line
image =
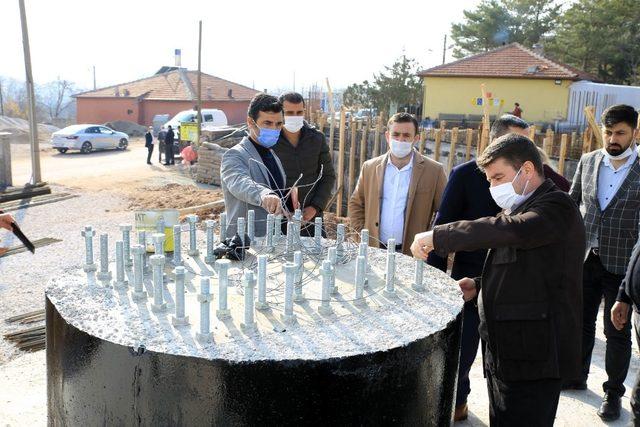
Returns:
point(251, 173)
point(529, 296)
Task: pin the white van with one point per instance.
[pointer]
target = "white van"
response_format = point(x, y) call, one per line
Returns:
point(210, 117)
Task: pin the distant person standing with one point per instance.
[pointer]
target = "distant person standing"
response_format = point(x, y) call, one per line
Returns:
point(148, 142)
point(168, 147)
point(517, 111)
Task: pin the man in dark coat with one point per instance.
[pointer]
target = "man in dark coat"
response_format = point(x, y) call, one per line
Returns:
point(530, 291)
point(304, 151)
point(168, 147)
point(148, 142)
point(628, 295)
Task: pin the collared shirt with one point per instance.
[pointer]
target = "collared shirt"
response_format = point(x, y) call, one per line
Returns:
point(395, 191)
point(610, 179)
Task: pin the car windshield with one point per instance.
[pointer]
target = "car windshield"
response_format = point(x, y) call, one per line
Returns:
point(185, 117)
point(73, 129)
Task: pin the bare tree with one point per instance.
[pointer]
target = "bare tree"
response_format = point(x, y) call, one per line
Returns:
point(56, 97)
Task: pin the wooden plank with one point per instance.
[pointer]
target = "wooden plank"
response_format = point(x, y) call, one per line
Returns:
point(452, 149)
point(532, 133)
point(547, 142)
point(25, 193)
point(436, 152)
point(341, 137)
point(332, 112)
point(563, 153)
point(469, 143)
point(590, 114)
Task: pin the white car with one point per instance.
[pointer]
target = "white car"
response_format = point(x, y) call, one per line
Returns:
point(87, 138)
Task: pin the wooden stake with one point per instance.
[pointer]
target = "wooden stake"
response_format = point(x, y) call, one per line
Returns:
point(547, 143)
point(572, 145)
point(352, 156)
point(376, 136)
point(436, 154)
point(340, 183)
point(452, 148)
point(363, 144)
point(532, 133)
point(469, 142)
point(563, 153)
point(332, 111)
point(423, 138)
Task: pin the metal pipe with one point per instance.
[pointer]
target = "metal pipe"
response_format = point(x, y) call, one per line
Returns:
point(157, 265)
point(179, 319)
point(222, 266)
point(262, 304)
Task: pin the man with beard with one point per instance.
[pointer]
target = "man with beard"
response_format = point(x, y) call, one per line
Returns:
point(606, 186)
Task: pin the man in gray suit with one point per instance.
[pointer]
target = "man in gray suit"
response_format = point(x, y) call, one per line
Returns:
point(606, 186)
point(251, 174)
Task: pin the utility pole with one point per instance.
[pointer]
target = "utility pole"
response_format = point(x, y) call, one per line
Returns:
point(199, 114)
point(94, 77)
point(444, 49)
point(33, 126)
point(1, 102)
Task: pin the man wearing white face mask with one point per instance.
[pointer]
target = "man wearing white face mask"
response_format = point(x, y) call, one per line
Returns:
point(398, 193)
point(529, 296)
point(606, 186)
point(304, 151)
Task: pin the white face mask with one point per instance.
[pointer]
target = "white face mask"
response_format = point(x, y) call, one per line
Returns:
point(505, 194)
point(626, 153)
point(400, 149)
point(293, 123)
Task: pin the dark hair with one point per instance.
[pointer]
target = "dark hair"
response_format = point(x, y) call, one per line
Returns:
point(263, 102)
point(619, 113)
point(501, 125)
point(403, 118)
point(517, 105)
point(292, 97)
point(515, 149)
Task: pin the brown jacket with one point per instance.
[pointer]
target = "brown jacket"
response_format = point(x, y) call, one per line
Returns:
point(425, 192)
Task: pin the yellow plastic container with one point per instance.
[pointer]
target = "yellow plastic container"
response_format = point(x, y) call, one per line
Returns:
point(151, 221)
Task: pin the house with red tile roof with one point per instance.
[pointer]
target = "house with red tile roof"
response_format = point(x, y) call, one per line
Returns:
point(511, 74)
point(169, 91)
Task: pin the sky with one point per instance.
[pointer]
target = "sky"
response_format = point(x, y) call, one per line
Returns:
point(260, 44)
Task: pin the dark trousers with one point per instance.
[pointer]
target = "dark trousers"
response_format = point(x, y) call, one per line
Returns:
point(468, 350)
point(635, 392)
point(470, 336)
point(168, 154)
point(522, 403)
point(149, 152)
point(598, 282)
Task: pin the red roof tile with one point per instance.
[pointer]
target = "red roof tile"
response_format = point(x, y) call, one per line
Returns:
point(510, 61)
point(171, 86)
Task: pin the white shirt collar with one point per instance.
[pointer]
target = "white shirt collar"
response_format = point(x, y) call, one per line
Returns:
point(634, 155)
point(406, 167)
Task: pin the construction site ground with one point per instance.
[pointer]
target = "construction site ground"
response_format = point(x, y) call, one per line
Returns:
point(108, 187)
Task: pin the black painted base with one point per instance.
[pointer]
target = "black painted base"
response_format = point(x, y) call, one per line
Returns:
point(95, 382)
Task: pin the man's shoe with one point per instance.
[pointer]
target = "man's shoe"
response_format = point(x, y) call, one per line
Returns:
point(148, 163)
point(610, 408)
point(575, 385)
point(462, 412)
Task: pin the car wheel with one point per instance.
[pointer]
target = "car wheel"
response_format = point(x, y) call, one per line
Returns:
point(122, 145)
point(62, 150)
point(86, 147)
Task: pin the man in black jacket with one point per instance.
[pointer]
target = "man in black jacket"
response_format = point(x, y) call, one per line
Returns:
point(304, 151)
point(629, 294)
point(148, 142)
point(168, 147)
point(530, 292)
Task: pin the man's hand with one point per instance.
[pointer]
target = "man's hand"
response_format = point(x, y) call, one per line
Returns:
point(468, 288)
point(309, 213)
point(6, 220)
point(619, 314)
point(422, 245)
point(271, 204)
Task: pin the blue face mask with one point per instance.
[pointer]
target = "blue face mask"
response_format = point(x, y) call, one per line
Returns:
point(268, 137)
